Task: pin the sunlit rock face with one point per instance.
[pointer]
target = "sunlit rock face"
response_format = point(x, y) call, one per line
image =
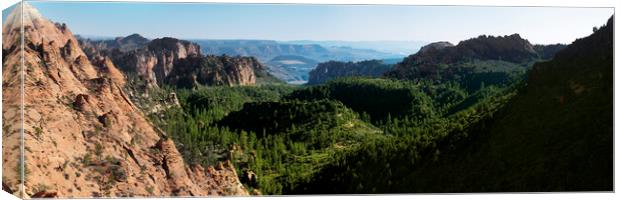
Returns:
point(83, 136)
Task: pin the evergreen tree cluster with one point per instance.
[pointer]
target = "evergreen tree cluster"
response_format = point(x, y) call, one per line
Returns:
point(494, 129)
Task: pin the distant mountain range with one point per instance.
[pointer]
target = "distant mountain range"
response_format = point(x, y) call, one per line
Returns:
point(266, 50)
point(394, 47)
point(289, 61)
point(472, 63)
point(301, 56)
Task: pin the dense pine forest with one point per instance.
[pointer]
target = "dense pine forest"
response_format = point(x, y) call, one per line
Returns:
point(532, 122)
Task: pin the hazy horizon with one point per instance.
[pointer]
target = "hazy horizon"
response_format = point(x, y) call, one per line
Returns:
point(312, 22)
point(240, 39)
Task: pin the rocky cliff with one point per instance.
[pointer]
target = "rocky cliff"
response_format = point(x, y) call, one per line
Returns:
point(156, 60)
point(83, 137)
point(151, 60)
point(215, 70)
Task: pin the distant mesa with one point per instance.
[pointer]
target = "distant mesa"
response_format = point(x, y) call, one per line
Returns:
point(435, 46)
point(296, 58)
point(441, 59)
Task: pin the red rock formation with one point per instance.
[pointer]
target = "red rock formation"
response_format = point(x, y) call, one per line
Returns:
point(108, 69)
point(215, 70)
point(151, 60)
point(156, 62)
point(83, 136)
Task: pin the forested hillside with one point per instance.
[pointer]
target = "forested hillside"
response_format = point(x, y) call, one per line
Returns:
point(473, 133)
point(479, 116)
point(474, 63)
point(480, 137)
point(555, 134)
point(276, 143)
point(281, 137)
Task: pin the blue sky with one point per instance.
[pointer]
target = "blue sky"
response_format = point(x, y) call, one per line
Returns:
point(541, 25)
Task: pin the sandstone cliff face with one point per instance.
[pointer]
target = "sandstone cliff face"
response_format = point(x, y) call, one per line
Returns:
point(214, 70)
point(156, 62)
point(168, 51)
point(83, 136)
point(151, 60)
point(107, 68)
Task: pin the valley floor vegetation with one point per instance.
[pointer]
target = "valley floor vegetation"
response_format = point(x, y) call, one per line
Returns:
point(287, 139)
point(469, 125)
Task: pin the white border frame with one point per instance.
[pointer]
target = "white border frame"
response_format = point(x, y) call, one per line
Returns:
point(478, 196)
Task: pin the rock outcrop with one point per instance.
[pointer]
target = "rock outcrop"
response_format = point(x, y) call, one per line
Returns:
point(83, 136)
point(168, 51)
point(437, 60)
point(151, 60)
point(435, 46)
point(214, 70)
point(107, 68)
point(154, 62)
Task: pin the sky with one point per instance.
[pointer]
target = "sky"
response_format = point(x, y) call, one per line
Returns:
point(284, 22)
